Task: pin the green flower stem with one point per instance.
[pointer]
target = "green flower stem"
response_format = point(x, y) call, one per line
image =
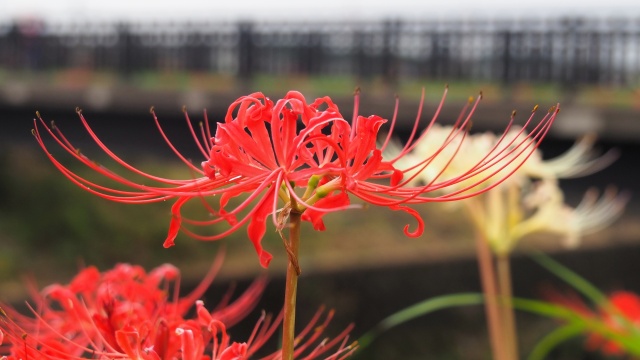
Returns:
point(554, 338)
point(312, 184)
point(319, 193)
point(490, 291)
point(417, 310)
point(576, 281)
point(506, 305)
point(291, 289)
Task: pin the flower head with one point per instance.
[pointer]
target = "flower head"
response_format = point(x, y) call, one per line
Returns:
point(267, 159)
point(548, 213)
point(619, 315)
point(530, 201)
point(127, 313)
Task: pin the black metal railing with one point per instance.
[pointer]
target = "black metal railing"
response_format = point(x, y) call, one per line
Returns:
point(567, 51)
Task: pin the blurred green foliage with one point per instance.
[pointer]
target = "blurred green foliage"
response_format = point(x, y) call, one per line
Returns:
point(46, 221)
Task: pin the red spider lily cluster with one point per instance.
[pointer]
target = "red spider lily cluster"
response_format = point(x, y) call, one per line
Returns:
point(621, 316)
point(304, 156)
point(127, 313)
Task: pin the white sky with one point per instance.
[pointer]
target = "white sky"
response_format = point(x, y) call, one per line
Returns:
point(179, 10)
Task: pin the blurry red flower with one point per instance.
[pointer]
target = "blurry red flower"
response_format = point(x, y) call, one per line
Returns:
point(623, 311)
point(127, 313)
point(305, 155)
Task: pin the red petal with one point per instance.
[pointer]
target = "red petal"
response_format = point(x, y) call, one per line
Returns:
point(396, 177)
point(416, 215)
point(258, 226)
point(86, 280)
point(237, 351)
point(128, 340)
point(628, 303)
point(331, 201)
point(176, 221)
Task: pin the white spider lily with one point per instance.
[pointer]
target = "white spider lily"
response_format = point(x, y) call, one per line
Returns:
point(509, 214)
point(530, 201)
point(580, 160)
point(464, 151)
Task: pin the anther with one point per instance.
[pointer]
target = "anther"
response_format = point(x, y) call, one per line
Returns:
point(467, 128)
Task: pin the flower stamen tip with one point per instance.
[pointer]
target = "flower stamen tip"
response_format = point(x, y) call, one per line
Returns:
point(469, 126)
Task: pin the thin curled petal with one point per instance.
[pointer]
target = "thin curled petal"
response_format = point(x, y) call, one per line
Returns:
point(416, 215)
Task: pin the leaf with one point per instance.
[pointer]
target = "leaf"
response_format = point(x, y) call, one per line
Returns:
point(555, 338)
point(576, 281)
point(420, 309)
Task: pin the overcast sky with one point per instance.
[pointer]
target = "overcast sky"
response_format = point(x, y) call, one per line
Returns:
point(83, 10)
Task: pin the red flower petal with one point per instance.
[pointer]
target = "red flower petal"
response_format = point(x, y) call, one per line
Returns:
point(331, 201)
point(257, 226)
point(420, 229)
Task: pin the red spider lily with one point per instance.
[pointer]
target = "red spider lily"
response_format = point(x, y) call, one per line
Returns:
point(305, 155)
point(621, 315)
point(126, 313)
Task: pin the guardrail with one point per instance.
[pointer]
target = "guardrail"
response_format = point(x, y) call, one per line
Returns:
point(571, 51)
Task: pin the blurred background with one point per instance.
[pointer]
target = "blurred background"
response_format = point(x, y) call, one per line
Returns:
point(115, 59)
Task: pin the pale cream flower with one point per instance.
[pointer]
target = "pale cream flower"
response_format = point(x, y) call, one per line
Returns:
point(509, 214)
point(580, 160)
point(592, 214)
point(451, 151)
point(530, 201)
